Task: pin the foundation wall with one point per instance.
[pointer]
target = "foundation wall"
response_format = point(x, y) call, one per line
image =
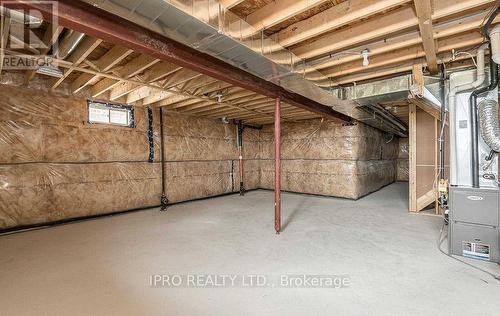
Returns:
point(202, 157)
point(326, 158)
point(54, 165)
point(403, 166)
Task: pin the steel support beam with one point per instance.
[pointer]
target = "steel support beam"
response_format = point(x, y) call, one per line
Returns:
point(85, 18)
point(277, 166)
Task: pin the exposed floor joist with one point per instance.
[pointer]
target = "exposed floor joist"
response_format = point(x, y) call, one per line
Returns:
point(424, 15)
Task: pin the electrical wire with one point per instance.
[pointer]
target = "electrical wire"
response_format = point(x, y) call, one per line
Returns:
point(466, 53)
point(440, 242)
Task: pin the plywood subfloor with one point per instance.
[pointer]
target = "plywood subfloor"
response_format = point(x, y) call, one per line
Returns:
point(102, 267)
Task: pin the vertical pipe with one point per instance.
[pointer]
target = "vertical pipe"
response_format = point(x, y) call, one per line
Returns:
point(240, 156)
point(474, 120)
point(442, 116)
point(163, 199)
point(277, 166)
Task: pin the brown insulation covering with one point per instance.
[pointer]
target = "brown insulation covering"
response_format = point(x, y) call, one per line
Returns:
point(54, 165)
point(323, 157)
point(202, 157)
point(403, 167)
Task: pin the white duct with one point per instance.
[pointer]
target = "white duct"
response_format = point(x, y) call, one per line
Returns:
point(495, 43)
point(480, 77)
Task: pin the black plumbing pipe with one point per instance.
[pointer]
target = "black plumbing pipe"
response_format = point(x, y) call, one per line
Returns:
point(474, 121)
point(241, 128)
point(487, 25)
point(443, 122)
point(163, 199)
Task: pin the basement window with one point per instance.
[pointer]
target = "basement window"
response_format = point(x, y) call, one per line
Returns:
point(112, 114)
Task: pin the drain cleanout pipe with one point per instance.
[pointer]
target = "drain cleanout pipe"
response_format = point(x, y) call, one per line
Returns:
point(474, 119)
point(480, 76)
point(277, 166)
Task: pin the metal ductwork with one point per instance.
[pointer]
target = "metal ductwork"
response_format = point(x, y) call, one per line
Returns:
point(490, 123)
point(69, 42)
point(210, 28)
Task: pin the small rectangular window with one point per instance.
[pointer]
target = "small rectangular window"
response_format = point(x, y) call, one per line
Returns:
point(113, 114)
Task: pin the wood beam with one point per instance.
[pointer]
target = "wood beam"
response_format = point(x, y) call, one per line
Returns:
point(84, 49)
point(105, 63)
point(49, 38)
point(228, 4)
point(131, 69)
point(424, 15)
point(278, 11)
point(155, 73)
point(469, 39)
point(333, 18)
point(174, 79)
point(117, 30)
point(395, 69)
point(379, 27)
point(441, 30)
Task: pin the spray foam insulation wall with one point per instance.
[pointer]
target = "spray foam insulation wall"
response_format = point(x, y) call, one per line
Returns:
point(327, 158)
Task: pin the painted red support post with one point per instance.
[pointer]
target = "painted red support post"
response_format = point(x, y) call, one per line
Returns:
point(277, 166)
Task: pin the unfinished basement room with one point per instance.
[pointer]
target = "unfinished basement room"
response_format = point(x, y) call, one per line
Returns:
point(249, 157)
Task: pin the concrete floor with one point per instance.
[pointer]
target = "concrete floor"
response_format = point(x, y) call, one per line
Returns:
point(103, 266)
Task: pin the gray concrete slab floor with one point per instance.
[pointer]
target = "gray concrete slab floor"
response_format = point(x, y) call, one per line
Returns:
point(104, 266)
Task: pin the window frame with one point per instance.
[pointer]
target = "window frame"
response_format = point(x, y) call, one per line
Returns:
point(112, 106)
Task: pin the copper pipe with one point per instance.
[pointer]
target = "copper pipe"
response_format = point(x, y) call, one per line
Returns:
point(277, 166)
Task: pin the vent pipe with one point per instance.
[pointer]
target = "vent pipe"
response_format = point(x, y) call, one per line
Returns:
point(474, 120)
point(464, 87)
point(495, 43)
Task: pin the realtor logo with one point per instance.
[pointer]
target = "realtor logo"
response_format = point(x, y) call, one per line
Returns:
point(28, 41)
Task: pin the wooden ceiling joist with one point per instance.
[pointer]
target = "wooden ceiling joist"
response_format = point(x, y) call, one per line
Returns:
point(395, 69)
point(469, 39)
point(84, 49)
point(333, 18)
point(129, 70)
point(424, 15)
point(228, 4)
point(377, 28)
point(448, 29)
point(114, 56)
point(278, 11)
point(49, 38)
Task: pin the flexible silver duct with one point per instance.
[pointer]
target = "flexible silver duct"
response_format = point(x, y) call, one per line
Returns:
point(489, 122)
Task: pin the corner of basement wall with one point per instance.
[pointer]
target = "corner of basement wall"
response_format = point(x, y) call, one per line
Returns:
point(324, 157)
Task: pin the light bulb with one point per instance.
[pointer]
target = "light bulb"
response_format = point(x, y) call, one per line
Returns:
point(365, 53)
